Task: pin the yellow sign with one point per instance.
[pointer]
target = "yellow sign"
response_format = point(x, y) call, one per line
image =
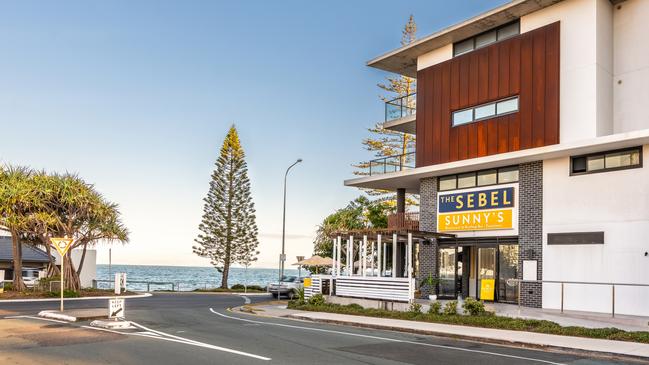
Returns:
point(307, 282)
point(487, 288)
point(475, 221)
point(61, 244)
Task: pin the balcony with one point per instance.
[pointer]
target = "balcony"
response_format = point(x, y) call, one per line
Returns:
point(400, 114)
point(406, 221)
point(392, 164)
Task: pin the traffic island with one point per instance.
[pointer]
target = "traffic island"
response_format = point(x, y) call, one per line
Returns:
point(74, 315)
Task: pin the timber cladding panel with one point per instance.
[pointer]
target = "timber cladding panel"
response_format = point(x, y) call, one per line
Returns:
point(526, 65)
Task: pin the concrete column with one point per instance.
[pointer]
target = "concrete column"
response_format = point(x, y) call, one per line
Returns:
point(363, 264)
point(401, 200)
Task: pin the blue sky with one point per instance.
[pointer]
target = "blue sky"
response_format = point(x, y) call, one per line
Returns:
point(136, 97)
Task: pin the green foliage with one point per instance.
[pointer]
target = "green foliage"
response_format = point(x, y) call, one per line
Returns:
point(435, 307)
point(66, 294)
point(415, 307)
point(450, 308)
point(430, 281)
point(486, 321)
point(228, 226)
point(316, 300)
point(473, 307)
point(360, 213)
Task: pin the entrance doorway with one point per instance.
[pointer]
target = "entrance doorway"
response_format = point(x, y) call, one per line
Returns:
point(480, 270)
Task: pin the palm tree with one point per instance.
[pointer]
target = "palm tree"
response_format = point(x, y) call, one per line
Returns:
point(18, 200)
point(79, 212)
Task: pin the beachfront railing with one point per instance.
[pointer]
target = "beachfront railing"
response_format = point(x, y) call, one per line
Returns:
point(135, 285)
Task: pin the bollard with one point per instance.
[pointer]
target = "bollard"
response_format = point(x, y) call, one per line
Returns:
point(561, 297)
point(613, 301)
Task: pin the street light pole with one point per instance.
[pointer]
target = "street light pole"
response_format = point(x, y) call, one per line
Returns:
point(282, 257)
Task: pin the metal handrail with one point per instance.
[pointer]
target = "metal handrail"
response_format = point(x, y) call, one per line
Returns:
point(396, 162)
point(174, 286)
point(613, 285)
point(400, 107)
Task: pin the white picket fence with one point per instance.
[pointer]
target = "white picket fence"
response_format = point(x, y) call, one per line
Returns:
point(372, 287)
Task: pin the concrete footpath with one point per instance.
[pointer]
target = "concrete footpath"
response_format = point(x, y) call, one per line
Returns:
point(518, 338)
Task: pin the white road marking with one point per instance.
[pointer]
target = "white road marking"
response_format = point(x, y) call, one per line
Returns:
point(160, 336)
point(246, 299)
point(39, 318)
point(387, 339)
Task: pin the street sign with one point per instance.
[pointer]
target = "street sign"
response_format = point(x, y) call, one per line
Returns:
point(116, 308)
point(120, 282)
point(62, 245)
point(282, 257)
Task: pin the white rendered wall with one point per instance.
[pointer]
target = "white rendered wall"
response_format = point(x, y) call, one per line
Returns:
point(631, 65)
point(586, 65)
point(89, 269)
point(435, 56)
point(615, 202)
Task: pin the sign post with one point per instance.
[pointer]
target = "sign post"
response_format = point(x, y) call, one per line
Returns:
point(62, 245)
point(116, 308)
point(2, 281)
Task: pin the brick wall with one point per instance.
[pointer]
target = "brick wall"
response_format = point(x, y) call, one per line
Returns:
point(427, 222)
point(530, 228)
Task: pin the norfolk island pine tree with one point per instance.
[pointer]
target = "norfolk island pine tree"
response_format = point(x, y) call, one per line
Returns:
point(228, 227)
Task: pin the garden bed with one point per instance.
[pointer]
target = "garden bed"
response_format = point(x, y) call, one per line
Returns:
point(486, 320)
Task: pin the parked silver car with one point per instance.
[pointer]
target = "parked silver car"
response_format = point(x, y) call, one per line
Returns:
point(289, 287)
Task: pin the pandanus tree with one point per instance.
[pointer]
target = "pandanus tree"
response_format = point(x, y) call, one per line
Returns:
point(36, 206)
point(74, 209)
point(19, 199)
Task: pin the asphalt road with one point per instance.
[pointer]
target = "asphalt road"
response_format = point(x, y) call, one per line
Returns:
point(198, 329)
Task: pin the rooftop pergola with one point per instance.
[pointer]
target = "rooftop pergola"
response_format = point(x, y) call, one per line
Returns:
point(374, 233)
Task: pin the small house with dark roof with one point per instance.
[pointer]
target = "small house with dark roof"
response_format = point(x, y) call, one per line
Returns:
point(33, 258)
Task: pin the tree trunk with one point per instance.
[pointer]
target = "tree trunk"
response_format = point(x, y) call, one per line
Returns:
point(226, 271)
point(70, 275)
point(52, 269)
point(18, 283)
point(83, 258)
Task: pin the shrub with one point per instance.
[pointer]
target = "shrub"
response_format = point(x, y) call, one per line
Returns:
point(355, 307)
point(66, 294)
point(450, 308)
point(435, 307)
point(317, 300)
point(473, 307)
point(415, 307)
point(238, 287)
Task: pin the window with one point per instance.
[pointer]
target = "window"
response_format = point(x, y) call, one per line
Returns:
point(447, 183)
point(488, 177)
point(463, 117)
point(606, 161)
point(484, 39)
point(466, 180)
point(507, 174)
point(485, 111)
point(503, 175)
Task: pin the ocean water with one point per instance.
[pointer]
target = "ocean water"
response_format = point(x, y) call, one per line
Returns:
point(186, 277)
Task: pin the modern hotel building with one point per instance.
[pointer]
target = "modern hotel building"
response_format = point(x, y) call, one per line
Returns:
point(531, 124)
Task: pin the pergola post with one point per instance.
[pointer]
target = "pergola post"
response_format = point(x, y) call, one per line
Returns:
point(364, 258)
point(350, 248)
point(409, 267)
point(379, 262)
point(334, 253)
point(372, 256)
point(338, 244)
point(394, 255)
